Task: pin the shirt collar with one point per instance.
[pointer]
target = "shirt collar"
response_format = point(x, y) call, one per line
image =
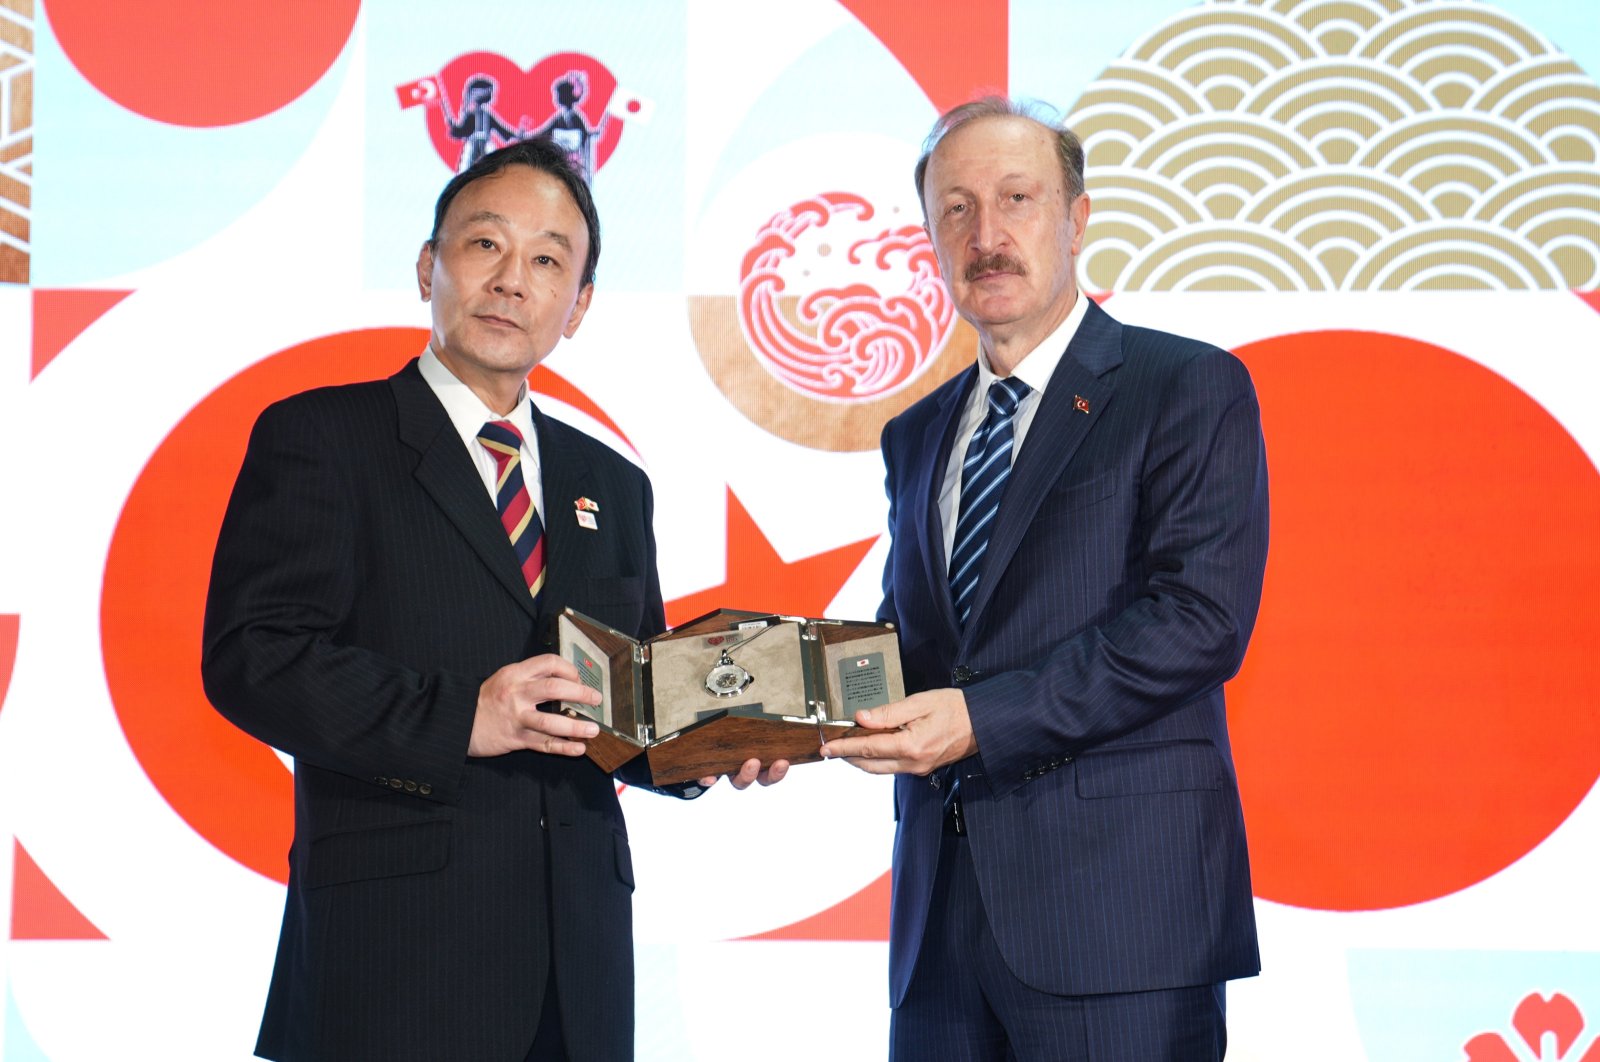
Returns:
point(466, 410)
point(1039, 364)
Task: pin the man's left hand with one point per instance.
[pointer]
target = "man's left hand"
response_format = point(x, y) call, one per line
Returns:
point(752, 771)
point(914, 736)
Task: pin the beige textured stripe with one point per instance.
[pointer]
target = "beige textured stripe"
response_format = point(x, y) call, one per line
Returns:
point(16, 139)
point(522, 525)
point(505, 473)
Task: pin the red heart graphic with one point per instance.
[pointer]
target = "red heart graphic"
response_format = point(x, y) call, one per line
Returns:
point(523, 100)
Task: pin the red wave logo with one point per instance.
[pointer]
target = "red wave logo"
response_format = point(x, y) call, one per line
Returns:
point(1536, 1017)
point(847, 343)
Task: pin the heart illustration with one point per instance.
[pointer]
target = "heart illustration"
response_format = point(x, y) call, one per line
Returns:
point(522, 101)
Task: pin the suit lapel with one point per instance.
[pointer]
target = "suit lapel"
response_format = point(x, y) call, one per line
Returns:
point(1058, 428)
point(562, 472)
point(938, 437)
point(446, 472)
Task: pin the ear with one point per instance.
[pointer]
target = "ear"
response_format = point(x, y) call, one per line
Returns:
point(425, 272)
point(579, 308)
point(1079, 211)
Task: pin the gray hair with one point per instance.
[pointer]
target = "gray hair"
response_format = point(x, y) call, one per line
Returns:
point(1069, 149)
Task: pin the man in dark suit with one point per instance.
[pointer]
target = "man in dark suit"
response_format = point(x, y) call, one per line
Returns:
point(382, 607)
point(1079, 530)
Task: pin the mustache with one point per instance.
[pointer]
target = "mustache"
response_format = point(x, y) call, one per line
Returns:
point(993, 263)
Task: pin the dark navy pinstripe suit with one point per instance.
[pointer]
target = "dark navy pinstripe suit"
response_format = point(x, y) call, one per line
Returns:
point(1121, 583)
point(363, 588)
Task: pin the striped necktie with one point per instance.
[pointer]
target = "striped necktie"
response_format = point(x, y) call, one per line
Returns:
point(521, 520)
point(983, 482)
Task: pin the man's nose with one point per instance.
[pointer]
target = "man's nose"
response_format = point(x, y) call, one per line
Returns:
point(985, 234)
point(510, 280)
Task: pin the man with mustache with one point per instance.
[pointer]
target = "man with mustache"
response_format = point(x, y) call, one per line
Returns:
point(382, 606)
point(1079, 531)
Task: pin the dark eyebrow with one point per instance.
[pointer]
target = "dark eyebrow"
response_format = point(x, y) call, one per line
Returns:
point(492, 218)
point(1014, 175)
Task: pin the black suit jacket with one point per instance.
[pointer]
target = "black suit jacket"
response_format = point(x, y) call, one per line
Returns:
point(362, 589)
point(1118, 593)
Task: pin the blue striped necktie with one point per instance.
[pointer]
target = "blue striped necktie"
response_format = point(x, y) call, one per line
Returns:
point(983, 484)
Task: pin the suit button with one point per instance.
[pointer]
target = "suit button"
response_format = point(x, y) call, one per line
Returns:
point(961, 675)
point(395, 783)
point(381, 780)
point(425, 789)
point(411, 787)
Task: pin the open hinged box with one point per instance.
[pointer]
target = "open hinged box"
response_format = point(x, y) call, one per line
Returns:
point(710, 694)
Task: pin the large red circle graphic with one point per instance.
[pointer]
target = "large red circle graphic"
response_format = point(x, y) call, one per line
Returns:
point(200, 62)
point(225, 784)
point(230, 788)
point(1418, 707)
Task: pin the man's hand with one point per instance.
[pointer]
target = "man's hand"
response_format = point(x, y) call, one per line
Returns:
point(914, 736)
point(750, 772)
point(508, 716)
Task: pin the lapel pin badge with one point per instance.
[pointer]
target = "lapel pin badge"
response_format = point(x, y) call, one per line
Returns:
point(586, 509)
point(1080, 403)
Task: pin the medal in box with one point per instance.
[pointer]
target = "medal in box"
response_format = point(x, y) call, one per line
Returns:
point(710, 694)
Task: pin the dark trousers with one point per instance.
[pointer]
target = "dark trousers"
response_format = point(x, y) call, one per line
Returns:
point(965, 1005)
point(548, 1044)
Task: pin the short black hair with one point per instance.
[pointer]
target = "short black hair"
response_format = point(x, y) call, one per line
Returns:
point(1069, 149)
point(544, 155)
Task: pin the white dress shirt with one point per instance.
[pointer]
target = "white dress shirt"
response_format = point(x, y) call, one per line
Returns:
point(468, 415)
point(1035, 370)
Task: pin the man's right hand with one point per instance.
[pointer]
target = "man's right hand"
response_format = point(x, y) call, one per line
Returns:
point(508, 716)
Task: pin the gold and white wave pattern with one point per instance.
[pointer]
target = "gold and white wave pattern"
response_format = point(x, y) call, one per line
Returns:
point(1342, 145)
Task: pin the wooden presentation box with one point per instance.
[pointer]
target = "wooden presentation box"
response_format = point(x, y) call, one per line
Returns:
point(710, 694)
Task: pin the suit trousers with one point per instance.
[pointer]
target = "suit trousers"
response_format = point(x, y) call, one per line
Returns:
point(550, 1044)
point(965, 1005)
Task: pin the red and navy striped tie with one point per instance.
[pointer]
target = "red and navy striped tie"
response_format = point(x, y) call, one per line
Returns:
point(521, 520)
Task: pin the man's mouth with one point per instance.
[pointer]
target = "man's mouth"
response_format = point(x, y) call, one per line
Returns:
point(993, 265)
point(498, 321)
